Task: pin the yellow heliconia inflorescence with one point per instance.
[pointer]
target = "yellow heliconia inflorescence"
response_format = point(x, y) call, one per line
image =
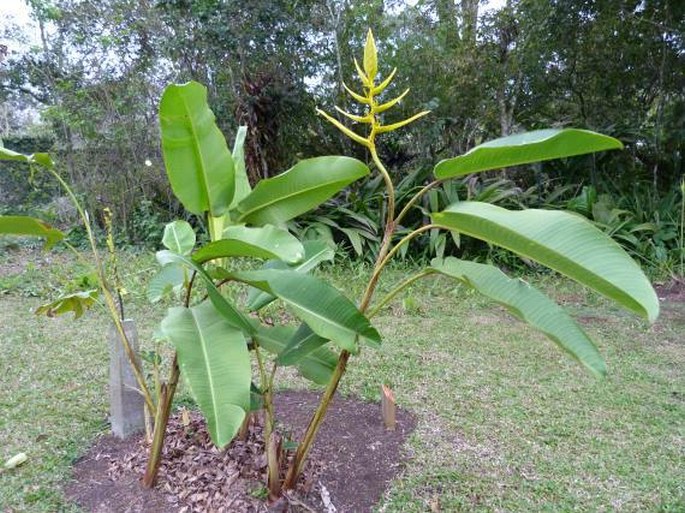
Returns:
point(367, 76)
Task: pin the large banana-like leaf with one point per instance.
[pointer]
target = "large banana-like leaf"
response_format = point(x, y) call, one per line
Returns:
point(242, 184)
point(24, 225)
point(303, 187)
point(214, 361)
point(197, 160)
point(528, 304)
point(179, 237)
point(317, 365)
point(562, 241)
point(525, 148)
point(303, 342)
point(225, 307)
point(259, 242)
point(170, 277)
point(327, 312)
point(43, 159)
point(315, 252)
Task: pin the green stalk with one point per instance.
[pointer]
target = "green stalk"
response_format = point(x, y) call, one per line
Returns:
point(414, 199)
point(305, 445)
point(378, 269)
point(384, 253)
point(167, 392)
point(389, 187)
point(273, 465)
point(109, 299)
point(161, 421)
point(399, 288)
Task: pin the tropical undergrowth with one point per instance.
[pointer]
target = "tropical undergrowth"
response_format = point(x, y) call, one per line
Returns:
point(646, 222)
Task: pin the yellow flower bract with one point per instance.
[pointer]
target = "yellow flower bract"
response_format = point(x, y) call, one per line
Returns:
point(367, 76)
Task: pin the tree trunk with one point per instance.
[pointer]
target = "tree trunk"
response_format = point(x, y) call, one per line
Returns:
point(469, 20)
point(447, 22)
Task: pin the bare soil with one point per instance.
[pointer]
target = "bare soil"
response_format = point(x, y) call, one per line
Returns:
point(352, 463)
point(671, 292)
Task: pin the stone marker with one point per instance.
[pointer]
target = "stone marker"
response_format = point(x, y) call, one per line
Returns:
point(125, 402)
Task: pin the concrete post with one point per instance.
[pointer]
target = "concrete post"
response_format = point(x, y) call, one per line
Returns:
point(125, 402)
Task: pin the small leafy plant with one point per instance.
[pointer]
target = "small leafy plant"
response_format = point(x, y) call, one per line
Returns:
point(107, 294)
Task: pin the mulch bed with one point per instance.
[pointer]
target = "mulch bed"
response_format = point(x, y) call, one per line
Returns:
point(352, 462)
point(672, 292)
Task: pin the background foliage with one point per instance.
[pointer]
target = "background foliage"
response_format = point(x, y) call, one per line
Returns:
point(613, 66)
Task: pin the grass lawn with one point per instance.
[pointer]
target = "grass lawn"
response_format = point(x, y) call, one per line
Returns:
point(506, 422)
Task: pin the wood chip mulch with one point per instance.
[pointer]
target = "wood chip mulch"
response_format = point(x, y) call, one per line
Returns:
point(351, 465)
point(195, 475)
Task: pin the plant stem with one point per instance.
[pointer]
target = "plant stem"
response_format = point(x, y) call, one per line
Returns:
point(401, 286)
point(161, 420)
point(389, 187)
point(414, 199)
point(270, 445)
point(305, 445)
point(380, 265)
point(109, 299)
point(155, 457)
point(165, 402)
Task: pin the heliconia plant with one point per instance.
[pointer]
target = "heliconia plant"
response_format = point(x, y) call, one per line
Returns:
point(215, 338)
point(561, 241)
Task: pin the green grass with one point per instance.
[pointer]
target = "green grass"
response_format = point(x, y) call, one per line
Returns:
point(506, 422)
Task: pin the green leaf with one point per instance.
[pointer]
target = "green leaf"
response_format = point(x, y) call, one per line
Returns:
point(355, 239)
point(78, 302)
point(525, 148)
point(242, 183)
point(303, 187)
point(24, 225)
point(303, 342)
point(179, 237)
point(225, 307)
point(214, 361)
point(528, 304)
point(256, 398)
point(197, 160)
point(315, 252)
point(327, 312)
point(170, 277)
point(316, 366)
point(562, 241)
point(36, 158)
point(260, 242)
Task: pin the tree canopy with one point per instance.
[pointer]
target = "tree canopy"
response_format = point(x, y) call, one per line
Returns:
point(95, 76)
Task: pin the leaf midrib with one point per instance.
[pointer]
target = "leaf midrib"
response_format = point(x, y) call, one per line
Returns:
point(298, 268)
point(328, 320)
point(331, 322)
point(281, 199)
point(203, 345)
point(178, 242)
point(198, 153)
point(578, 335)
